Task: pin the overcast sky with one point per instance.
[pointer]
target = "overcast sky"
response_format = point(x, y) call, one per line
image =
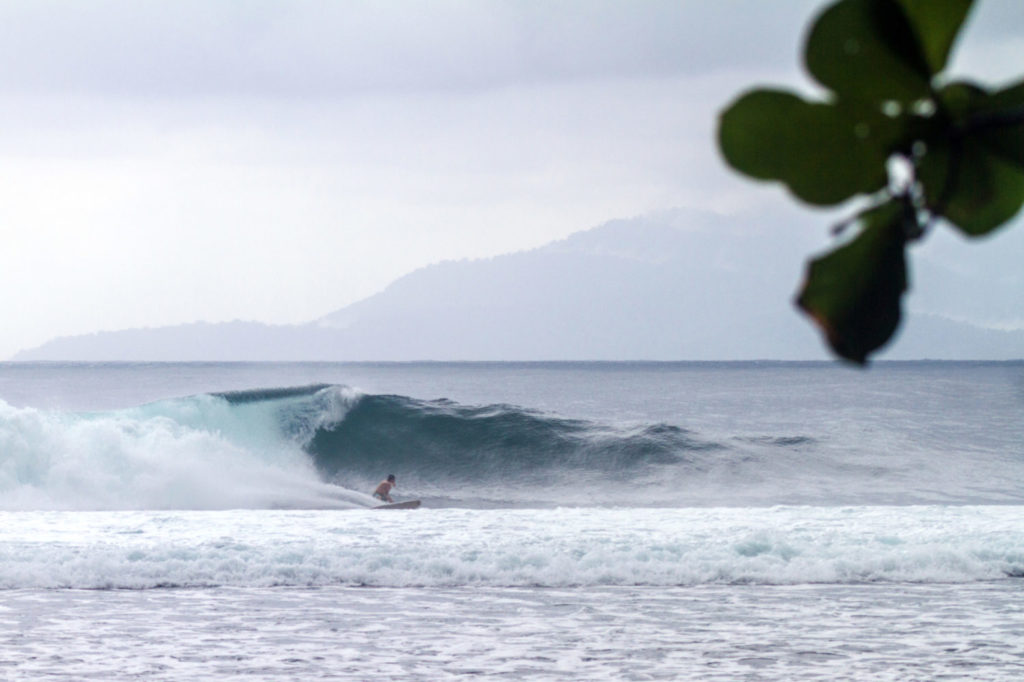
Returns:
point(169, 162)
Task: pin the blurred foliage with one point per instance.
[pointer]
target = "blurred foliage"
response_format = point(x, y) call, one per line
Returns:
point(891, 131)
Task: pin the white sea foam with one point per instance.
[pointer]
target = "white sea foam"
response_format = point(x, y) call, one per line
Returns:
point(554, 548)
point(716, 633)
point(194, 453)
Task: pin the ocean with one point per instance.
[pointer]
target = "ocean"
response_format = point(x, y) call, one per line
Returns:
point(580, 521)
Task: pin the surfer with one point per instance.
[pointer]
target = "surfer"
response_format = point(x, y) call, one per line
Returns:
point(383, 491)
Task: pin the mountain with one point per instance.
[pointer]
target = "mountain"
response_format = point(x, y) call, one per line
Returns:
point(679, 285)
point(666, 287)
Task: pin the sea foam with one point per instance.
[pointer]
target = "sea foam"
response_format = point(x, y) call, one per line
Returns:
point(550, 548)
point(201, 452)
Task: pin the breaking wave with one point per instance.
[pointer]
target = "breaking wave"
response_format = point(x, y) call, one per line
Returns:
point(326, 446)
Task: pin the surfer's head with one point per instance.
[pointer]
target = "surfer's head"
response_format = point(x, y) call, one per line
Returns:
point(391, 477)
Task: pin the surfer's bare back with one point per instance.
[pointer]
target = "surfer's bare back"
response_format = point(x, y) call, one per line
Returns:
point(383, 491)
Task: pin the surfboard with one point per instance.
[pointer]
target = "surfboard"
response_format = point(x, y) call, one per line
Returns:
point(408, 504)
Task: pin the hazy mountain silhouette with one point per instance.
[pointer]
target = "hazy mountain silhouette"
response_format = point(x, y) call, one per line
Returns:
point(679, 285)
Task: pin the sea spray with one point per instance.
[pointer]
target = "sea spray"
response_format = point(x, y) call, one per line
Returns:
point(191, 453)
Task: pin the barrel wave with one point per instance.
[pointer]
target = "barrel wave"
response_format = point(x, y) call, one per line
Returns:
point(464, 445)
point(308, 447)
point(459, 455)
point(326, 446)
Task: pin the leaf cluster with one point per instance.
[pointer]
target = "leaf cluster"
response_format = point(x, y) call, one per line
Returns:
point(892, 131)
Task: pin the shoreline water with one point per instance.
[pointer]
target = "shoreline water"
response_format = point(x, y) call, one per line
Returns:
point(848, 632)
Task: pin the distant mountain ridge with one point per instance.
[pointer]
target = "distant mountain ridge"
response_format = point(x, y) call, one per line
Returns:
point(679, 285)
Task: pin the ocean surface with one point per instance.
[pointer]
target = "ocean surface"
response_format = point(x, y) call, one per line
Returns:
point(720, 521)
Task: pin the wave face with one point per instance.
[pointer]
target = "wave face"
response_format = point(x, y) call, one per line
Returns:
point(325, 446)
point(440, 446)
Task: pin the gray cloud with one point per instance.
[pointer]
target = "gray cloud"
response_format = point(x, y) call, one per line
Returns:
point(164, 162)
point(321, 47)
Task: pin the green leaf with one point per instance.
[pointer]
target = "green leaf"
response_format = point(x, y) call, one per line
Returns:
point(1004, 132)
point(825, 153)
point(992, 120)
point(960, 99)
point(853, 293)
point(1010, 97)
point(974, 188)
point(868, 50)
point(936, 24)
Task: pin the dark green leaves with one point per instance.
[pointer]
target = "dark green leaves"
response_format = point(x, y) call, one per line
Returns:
point(879, 59)
point(972, 187)
point(823, 153)
point(854, 292)
point(959, 148)
point(972, 173)
point(935, 26)
point(999, 123)
point(855, 41)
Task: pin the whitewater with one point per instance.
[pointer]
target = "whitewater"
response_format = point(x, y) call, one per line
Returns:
point(580, 521)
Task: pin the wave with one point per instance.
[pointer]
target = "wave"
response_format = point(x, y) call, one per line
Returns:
point(311, 446)
point(326, 446)
point(473, 444)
